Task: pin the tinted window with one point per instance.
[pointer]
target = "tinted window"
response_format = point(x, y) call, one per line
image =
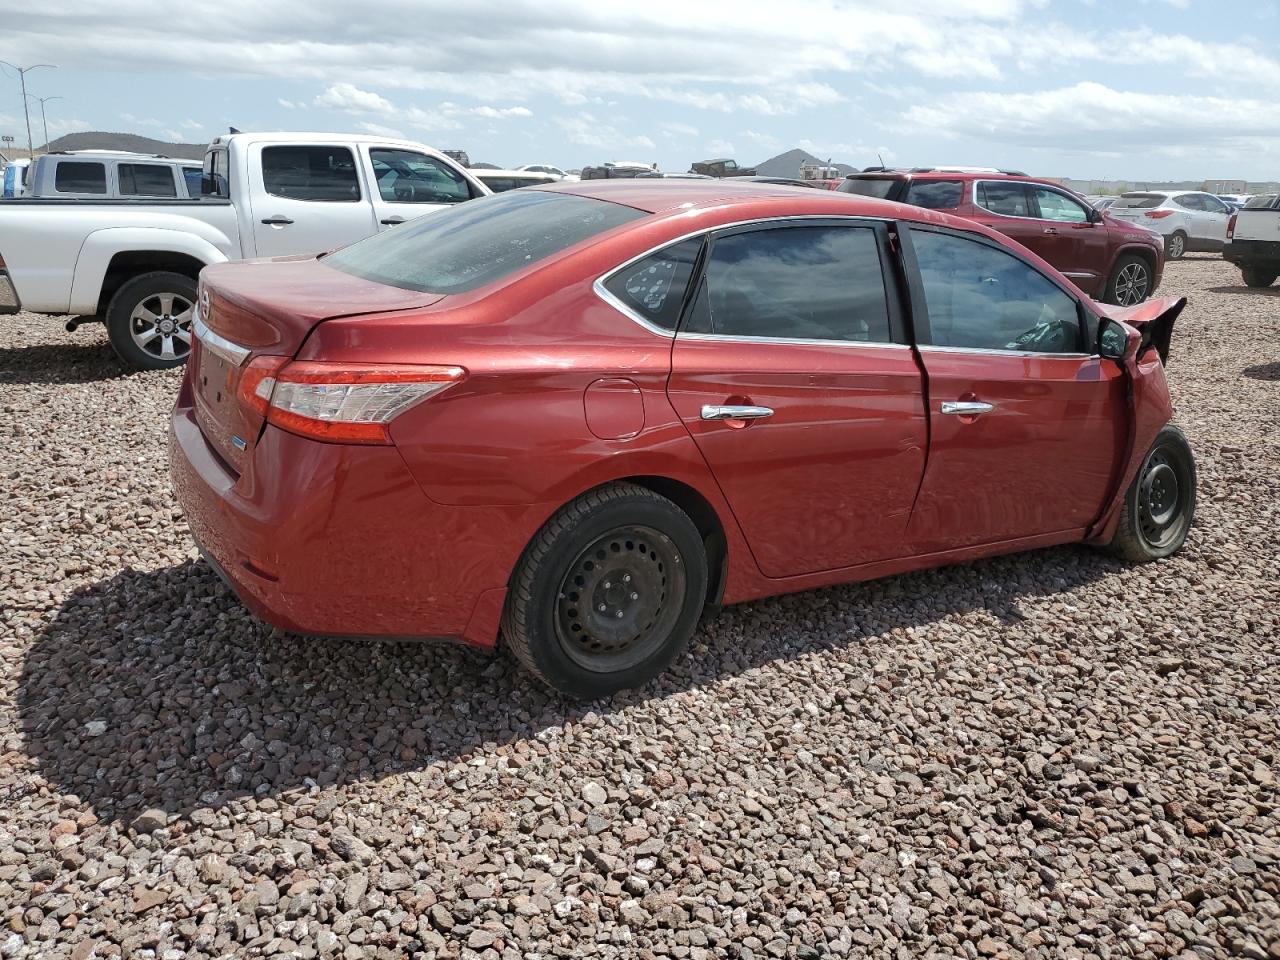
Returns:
point(1058, 206)
point(1189, 201)
point(935, 194)
point(878, 187)
point(655, 286)
point(983, 298)
point(215, 168)
point(811, 283)
point(192, 177)
point(472, 244)
point(80, 177)
point(407, 177)
point(326, 174)
point(1139, 201)
point(146, 180)
point(1212, 204)
point(1008, 199)
point(1264, 202)
point(503, 184)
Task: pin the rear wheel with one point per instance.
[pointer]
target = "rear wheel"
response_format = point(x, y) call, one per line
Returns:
point(1175, 245)
point(1259, 276)
point(1160, 504)
point(608, 593)
point(1130, 282)
point(149, 320)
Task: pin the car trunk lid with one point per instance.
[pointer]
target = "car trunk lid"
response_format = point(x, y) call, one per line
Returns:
point(252, 312)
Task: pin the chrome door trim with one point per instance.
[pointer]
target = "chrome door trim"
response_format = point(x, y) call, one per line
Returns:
point(232, 352)
point(736, 338)
point(992, 351)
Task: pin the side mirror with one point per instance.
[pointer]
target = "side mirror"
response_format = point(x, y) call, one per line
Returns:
point(1116, 340)
point(1095, 215)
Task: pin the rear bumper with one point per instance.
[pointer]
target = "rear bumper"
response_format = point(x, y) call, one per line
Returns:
point(1252, 251)
point(337, 540)
point(9, 302)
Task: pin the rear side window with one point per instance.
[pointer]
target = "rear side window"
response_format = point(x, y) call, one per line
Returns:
point(1189, 201)
point(473, 244)
point(1006, 198)
point(935, 194)
point(1264, 202)
point(146, 180)
point(407, 177)
point(982, 298)
point(192, 177)
point(321, 174)
point(79, 176)
point(654, 287)
point(1139, 201)
point(879, 187)
point(216, 166)
point(808, 283)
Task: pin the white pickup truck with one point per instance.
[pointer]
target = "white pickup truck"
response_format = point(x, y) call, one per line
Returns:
point(132, 264)
point(1253, 240)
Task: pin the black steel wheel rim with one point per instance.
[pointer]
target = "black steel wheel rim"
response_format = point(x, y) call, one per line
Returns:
point(1164, 496)
point(1131, 285)
point(620, 599)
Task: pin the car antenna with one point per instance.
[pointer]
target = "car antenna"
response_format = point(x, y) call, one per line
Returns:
point(881, 159)
point(232, 130)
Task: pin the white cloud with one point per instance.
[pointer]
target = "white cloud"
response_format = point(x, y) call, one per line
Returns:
point(585, 131)
point(381, 130)
point(348, 97)
point(496, 113)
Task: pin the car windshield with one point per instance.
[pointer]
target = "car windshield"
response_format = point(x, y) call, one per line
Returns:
point(480, 241)
point(1139, 201)
point(878, 187)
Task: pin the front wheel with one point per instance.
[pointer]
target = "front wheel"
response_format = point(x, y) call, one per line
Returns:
point(149, 320)
point(1160, 504)
point(1130, 282)
point(1259, 276)
point(608, 593)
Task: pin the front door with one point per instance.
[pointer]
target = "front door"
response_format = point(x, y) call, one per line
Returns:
point(1071, 240)
point(791, 372)
point(1028, 426)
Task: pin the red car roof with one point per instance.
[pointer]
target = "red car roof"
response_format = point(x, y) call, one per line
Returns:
point(654, 195)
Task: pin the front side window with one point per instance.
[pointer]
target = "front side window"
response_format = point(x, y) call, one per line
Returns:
point(321, 174)
point(79, 176)
point(1059, 207)
point(473, 244)
point(655, 287)
point(935, 194)
point(982, 298)
point(146, 180)
point(404, 176)
point(1006, 198)
point(808, 283)
point(1212, 204)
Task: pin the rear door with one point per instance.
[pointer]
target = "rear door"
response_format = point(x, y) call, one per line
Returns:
point(1027, 425)
point(791, 372)
point(307, 198)
point(1070, 240)
point(407, 183)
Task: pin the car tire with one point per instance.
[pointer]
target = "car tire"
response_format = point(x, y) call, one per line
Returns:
point(149, 320)
point(1130, 281)
point(1259, 276)
point(1175, 245)
point(608, 593)
point(1160, 505)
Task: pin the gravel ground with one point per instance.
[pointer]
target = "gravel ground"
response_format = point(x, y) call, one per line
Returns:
point(1049, 755)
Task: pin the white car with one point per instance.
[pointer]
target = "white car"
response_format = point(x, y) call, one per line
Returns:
point(548, 170)
point(1188, 219)
point(112, 175)
point(500, 181)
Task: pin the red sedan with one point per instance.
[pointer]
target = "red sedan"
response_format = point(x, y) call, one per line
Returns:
point(580, 415)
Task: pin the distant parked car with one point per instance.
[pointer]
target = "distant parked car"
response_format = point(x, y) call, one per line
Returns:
point(585, 421)
point(1102, 203)
point(1105, 258)
point(1253, 240)
point(14, 183)
point(1189, 220)
point(620, 169)
point(721, 167)
point(548, 170)
point(500, 181)
point(112, 175)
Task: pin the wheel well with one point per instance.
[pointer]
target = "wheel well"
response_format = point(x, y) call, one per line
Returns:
point(1148, 256)
point(704, 517)
point(127, 265)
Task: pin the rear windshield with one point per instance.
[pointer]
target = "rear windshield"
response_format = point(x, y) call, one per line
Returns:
point(1264, 202)
point(480, 241)
point(1139, 201)
point(878, 187)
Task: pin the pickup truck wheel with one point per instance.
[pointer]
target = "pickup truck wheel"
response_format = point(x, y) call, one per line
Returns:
point(1175, 245)
point(1160, 504)
point(1130, 281)
point(149, 320)
point(1259, 276)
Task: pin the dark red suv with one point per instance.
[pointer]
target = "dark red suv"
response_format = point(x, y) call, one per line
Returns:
point(1106, 258)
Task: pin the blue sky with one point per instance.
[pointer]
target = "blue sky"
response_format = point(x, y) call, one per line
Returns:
point(1146, 89)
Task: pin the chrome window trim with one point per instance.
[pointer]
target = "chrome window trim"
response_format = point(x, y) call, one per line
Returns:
point(603, 293)
point(1032, 185)
point(995, 351)
point(232, 352)
point(805, 341)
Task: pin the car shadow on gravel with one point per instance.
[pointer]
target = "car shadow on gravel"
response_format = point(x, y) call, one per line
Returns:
point(157, 689)
point(59, 363)
point(1263, 371)
point(1243, 291)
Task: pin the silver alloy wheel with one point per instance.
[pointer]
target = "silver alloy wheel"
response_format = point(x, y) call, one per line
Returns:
point(1177, 246)
point(1132, 284)
point(161, 325)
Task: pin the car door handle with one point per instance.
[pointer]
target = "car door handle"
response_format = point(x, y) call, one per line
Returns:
point(391, 221)
point(277, 221)
point(1051, 230)
point(713, 412)
point(966, 408)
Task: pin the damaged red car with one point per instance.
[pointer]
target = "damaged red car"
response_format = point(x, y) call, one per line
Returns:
point(579, 416)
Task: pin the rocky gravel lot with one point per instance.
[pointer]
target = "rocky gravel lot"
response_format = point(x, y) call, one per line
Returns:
point(1048, 755)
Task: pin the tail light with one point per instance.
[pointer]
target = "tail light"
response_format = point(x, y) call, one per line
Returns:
point(1231, 231)
point(1158, 214)
point(340, 402)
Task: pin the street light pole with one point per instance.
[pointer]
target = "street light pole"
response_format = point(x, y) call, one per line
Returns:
point(43, 119)
point(26, 111)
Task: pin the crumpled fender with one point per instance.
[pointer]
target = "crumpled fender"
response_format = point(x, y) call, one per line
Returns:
point(1147, 393)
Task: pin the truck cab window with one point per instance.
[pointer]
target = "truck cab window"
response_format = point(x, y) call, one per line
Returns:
point(78, 176)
